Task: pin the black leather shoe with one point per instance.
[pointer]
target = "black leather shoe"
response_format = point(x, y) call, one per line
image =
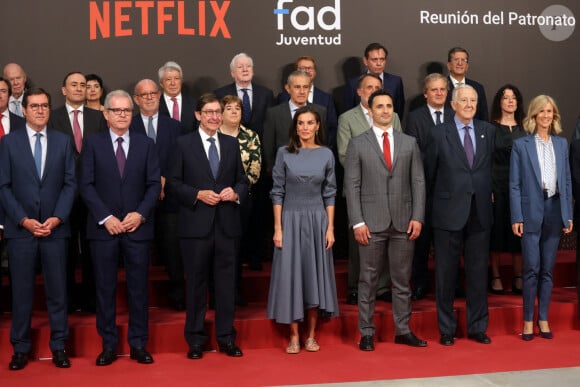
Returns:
point(480, 337)
point(367, 343)
point(141, 355)
point(195, 352)
point(352, 298)
point(410, 339)
point(18, 362)
point(419, 293)
point(105, 358)
point(446, 340)
point(60, 359)
point(386, 297)
point(231, 349)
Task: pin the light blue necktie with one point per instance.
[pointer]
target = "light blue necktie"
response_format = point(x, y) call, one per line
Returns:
point(151, 130)
point(38, 154)
point(214, 159)
point(17, 108)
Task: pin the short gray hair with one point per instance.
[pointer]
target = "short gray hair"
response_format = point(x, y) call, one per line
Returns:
point(461, 87)
point(117, 94)
point(239, 56)
point(168, 66)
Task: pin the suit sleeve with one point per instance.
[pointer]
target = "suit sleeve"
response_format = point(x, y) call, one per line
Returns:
point(67, 195)
point(418, 185)
point(87, 183)
point(515, 187)
point(352, 180)
point(12, 208)
point(152, 181)
point(185, 194)
point(342, 138)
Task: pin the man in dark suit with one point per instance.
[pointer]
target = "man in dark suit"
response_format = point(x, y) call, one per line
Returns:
point(174, 102)
point(78, 122)
point(15, 74)
point(385, 193)
point(375, 60)
point(37, 189)
point(120, 183)
point(458, 170)
point(420, 122)
point(164, 132)
point(279, 117)
point(316, 96)
point(209, 182)
point(458, 64)
point(259, 97)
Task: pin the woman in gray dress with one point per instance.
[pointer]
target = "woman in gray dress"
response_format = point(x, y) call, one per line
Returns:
point(303, 194)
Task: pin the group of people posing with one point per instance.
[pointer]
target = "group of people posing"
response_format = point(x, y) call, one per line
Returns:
point(91, 182)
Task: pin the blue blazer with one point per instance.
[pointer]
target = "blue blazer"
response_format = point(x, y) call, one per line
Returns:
point(191, 173)
point(24, 194)
point(391, 83)
point(526, 192)
point(106, 193)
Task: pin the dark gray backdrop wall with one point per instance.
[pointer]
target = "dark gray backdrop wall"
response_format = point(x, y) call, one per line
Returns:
point(505, 41)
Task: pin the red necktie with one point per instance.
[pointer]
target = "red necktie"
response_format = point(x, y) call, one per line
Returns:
point(2, 132)
point(175, 109)
point(78, 135)
point(387, 150)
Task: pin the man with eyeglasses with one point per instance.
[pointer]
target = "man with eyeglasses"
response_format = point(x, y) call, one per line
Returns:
point(316, 96)
point(120, 183)
point(458, 170)
point(37, 189)
point(175, 102)
point(209, 182)
point(458, 64)
point(78, 122)
point(164, 132)
point(375, 60)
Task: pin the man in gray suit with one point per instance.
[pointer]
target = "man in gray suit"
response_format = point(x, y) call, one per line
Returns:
point(385, 194)
point(350, 124)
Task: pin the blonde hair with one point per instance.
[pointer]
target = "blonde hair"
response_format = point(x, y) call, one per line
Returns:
point(537, 104)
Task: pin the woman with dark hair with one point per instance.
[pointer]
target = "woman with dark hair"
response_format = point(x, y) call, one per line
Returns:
point(95, 95)
point(541, 206)
point(507, 113)
point(303, 193)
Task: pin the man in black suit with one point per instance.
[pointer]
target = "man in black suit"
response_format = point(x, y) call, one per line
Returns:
point(164, 132)
point(15, 74)
point(375, 60)
point(279, 117)
point(458, 64)
point(79, 123)
point(120, 183)
point(37, 189)
point(420, 122)
point(316, 96)
point(209, 182)
point(458, 170)
point(174, 102)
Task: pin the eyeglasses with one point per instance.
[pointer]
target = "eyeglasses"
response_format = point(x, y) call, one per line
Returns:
point(306, 69)
point(459, 60)
point(119, 111)
point(37, 106)
point(150, 94)
point(211, 112)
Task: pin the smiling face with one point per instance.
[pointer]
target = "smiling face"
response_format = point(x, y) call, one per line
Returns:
point(306, 127)
point(458, 64)
point(382, 111)
point(210, 117)
point(147, 97)
point(545, 117)
point(465, 105)
point(74, 89)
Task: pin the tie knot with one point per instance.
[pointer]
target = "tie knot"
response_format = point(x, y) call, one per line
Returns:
point(173, 99)
point(466, 128)
point(38, 135)
point(438, 112)
point(211, 139)
point(120, 140)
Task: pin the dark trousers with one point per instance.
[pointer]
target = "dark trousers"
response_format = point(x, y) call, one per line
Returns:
point(23, 253)
point(578, 268)
point(473, 241)
point(200, 255)
point(166, 235)
point(106, 260)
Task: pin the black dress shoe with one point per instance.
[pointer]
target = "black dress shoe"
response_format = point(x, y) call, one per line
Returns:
point(352, 298)
point(386, 297)
point(231, 349)
point(446, 340)
point(141, 355)
point(419, 293)
point(410, 339)
point(479, 337)
point(367, 343)
point(195, 352)
point(105, 358)
point(60, 359)
point(18, 362)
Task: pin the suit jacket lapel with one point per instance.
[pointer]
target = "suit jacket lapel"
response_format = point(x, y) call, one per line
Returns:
point(372, 139)
point(199, 152)
point(361, 117)
point(455, 143)
point(480, 144)
point(530, 145)
point(28, 155)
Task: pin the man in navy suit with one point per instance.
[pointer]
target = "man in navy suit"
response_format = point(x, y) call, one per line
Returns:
point(78, 122)
point(316, 96)
point(120, 183)
point(375, 60)
point(209, 182)
point(37, 188)
point(174, 102)
point(458, 170)
point(164, 132)
point(260, 98)
point(420, 122)
point(458, 64)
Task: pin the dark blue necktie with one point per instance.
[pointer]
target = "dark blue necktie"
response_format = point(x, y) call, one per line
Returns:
point(438, 119)
point(246, 107)
point(38, 154)
point(468, 146)
point(214, 159)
